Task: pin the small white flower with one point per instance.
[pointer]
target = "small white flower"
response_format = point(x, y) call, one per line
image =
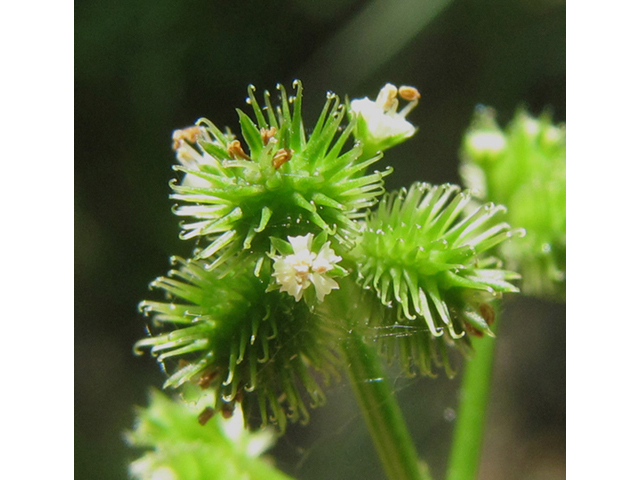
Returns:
point(491, 142)
point(382, 118)
point(296, 272)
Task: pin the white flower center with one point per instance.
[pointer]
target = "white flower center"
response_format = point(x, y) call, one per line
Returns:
point(298, 271)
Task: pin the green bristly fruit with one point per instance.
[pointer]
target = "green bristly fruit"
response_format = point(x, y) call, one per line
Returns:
point(250, 347)
point(279, 182)
point(428, 262)
point(524, 168)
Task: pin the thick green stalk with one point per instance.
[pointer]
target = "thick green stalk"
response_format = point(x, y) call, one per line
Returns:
point(466, 448)
point(372, 389)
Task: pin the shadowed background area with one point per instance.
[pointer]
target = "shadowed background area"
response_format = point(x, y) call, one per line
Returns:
point(147, 67)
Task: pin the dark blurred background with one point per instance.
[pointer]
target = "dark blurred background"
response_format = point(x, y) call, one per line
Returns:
point(144, 68)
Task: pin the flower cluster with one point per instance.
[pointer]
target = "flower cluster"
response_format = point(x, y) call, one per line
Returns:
point(523, 167)
point(289, 244)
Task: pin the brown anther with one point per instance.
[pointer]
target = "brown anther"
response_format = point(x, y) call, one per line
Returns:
point(205, 380)
point(190, 134)
point(487, 313)
point(471, 330)
point(281, 157)
point(227, 409)
point(235, 150)
point(408, 93)
point(267, 135)
point(205, 416)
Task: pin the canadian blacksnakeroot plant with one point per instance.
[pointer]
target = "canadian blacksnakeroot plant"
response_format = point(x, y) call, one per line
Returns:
point(304, 268)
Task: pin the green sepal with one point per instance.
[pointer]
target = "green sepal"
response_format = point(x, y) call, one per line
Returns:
point(282, 246)
point(250, 133)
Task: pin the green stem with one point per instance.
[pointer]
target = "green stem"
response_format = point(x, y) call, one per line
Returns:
point(464, 459)
point(381, 411)
point(372, 389)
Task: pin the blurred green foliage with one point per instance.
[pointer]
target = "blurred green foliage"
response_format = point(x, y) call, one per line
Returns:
point(181, 444)
point(524, 168)
point(145, 68)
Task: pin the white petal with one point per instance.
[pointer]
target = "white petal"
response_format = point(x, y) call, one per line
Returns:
point(390, 125)
point(301, 243)
point(326, 259)
point(380, 123)
point(323, 285)
point(293, 288)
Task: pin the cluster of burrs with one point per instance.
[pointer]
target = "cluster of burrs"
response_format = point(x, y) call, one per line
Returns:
point(283, 215)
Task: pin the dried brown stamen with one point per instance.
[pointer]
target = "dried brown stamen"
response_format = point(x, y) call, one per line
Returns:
point(227, 409)
point(190, 134)
point(487, 313)
point(267, 135)
point(205, 380)
point(281, 157)
point(471, 330)
point(205, 416)
point(236, 152)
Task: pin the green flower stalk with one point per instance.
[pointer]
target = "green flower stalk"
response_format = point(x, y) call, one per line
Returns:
point(249, 346)
point(179, 448)
point(524, 168)
point(428, 262)
point(277, 181)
